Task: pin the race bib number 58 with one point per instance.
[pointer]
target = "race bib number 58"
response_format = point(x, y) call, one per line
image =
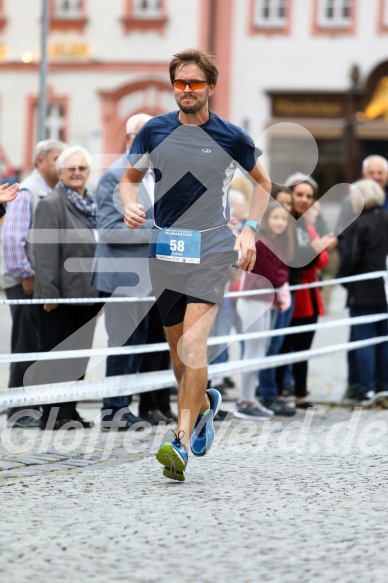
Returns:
point(182, 245)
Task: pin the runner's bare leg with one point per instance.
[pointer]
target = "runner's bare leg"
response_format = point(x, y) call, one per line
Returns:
point(188, 346)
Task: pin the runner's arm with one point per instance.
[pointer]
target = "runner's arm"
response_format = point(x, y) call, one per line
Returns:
point(260, 193)
point(134, 215)
point(245, 242)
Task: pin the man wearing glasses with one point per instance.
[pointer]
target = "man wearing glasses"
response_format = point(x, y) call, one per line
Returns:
point(193, 153)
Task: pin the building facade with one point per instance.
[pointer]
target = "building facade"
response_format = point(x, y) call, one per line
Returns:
point(318, 64)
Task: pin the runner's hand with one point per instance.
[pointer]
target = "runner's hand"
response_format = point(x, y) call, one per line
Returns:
point(245, 244)
point(134, 215)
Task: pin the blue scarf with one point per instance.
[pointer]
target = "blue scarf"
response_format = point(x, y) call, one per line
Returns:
point(85, 204)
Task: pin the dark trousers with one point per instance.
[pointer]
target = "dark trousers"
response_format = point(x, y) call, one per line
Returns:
point(267, 377)
point(371, 360)
point(353, 376)
point(68, 327)
point(24, 338)
point(126, 324)
point(297, 343)
point(153, 361)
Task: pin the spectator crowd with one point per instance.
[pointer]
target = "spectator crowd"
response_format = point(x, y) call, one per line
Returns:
point(60, 240)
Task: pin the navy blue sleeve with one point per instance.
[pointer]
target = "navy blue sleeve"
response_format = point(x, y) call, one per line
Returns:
point(247, 151)
point(138, 156)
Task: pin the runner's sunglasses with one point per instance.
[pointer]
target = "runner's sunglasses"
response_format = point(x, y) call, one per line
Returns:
point(194, 84)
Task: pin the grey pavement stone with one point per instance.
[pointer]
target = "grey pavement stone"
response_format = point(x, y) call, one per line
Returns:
point(8, 465)
point(281, 506)
point(77, 463)
point(259, 507)
point(31, 461)
point(48, 458)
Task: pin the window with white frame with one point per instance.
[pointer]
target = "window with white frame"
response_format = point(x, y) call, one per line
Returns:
point(271, 13)
point(55, 121)
point(68, 9)
point(335, 13)
point(147, 8)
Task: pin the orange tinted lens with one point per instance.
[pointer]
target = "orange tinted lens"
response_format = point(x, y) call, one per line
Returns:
point(197, 85)
point(181, 85)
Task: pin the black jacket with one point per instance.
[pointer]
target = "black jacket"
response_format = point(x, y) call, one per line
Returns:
point(2, 210)
point(365, 249)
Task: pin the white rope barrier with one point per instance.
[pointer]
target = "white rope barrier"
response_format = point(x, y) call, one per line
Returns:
point(238, 294)
point(212, 341)
point(143, 382)
point(116, 386)
point(321, 283)
point(110, 300)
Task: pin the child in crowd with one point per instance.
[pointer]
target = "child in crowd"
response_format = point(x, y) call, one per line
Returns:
point(279, 319)
point(283, 197)
point(227, 316)
point(272, 247)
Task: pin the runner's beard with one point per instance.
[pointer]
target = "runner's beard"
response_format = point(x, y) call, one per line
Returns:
point(197, 106)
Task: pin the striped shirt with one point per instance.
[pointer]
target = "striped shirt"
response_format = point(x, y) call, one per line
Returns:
point(17, 222)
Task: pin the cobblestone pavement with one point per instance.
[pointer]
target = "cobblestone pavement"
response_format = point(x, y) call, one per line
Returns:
point(296, 501)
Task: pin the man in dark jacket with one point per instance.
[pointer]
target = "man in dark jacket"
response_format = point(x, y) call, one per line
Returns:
point(365, 249)
point(121, 269)
point(374, 168)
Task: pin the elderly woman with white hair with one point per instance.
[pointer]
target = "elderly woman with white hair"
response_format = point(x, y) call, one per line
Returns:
point(64, 246)
point(365, 249)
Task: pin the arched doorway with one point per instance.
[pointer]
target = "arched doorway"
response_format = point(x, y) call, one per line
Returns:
point(147, 96)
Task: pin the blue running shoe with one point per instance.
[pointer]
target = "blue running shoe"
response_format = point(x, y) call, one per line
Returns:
point(203, 434)
point(173, 456)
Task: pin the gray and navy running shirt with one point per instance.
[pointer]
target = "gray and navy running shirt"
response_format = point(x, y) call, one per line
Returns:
point(193, 168)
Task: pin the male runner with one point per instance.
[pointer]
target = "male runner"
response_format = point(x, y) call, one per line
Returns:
point(193, 153)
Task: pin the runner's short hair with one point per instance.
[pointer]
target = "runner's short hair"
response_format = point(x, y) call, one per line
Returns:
point(205, 61)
